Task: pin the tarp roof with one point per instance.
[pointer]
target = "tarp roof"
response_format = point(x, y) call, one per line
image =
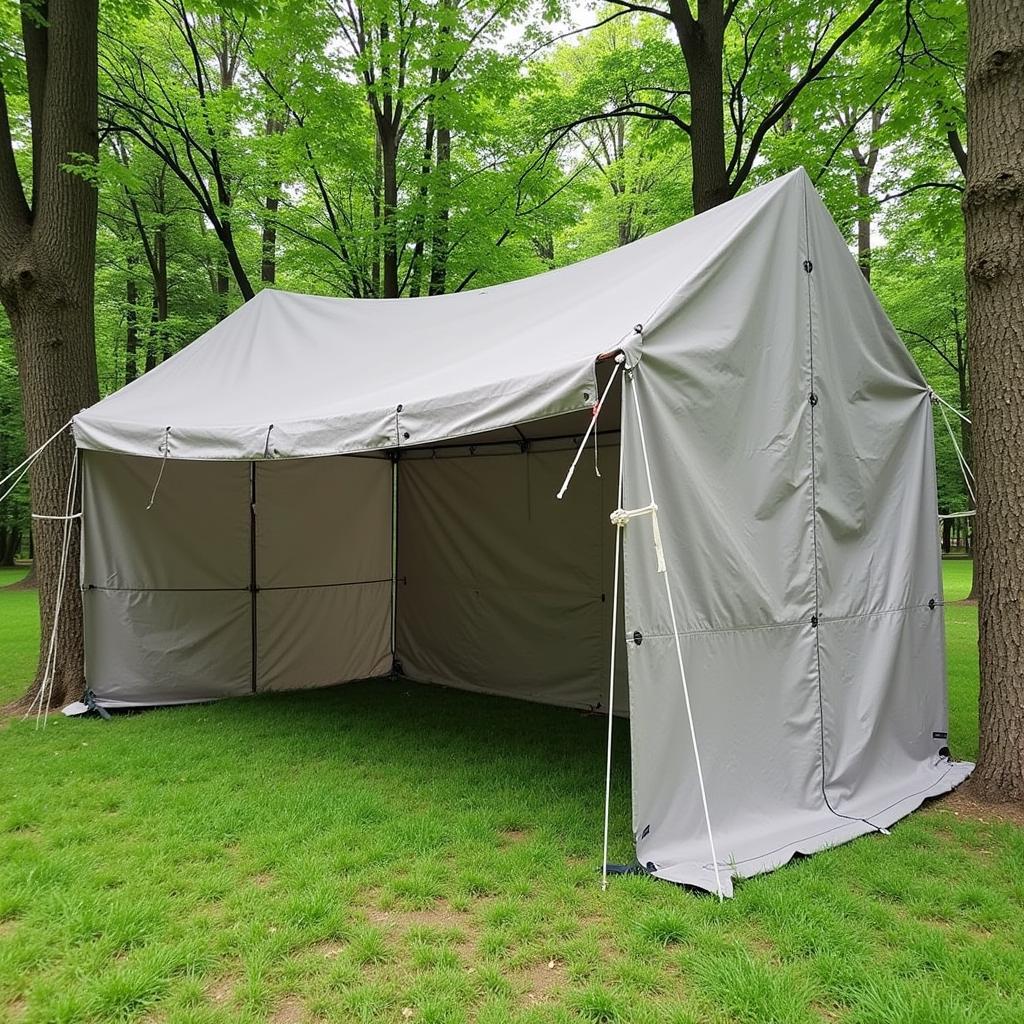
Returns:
point(300, 375)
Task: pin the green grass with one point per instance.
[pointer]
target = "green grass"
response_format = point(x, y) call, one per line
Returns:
point(389, 852)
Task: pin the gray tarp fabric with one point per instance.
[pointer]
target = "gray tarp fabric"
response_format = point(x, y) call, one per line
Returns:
point(789, 440)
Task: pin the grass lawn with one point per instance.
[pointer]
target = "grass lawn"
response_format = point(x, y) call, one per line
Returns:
point(387, 852)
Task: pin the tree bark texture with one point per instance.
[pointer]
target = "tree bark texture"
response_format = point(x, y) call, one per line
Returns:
point(47, 262)
point(994, 215)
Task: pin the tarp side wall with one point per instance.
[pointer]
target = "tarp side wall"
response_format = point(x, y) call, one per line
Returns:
point(789, 442)
point(323, 567)
point(723, 391)
point(166, 588)
point(503, 588)
point(881, 635)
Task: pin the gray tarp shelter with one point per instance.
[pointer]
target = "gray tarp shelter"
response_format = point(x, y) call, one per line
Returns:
point(788, 436)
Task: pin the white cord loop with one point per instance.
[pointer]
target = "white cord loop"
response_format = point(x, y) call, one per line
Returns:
point(621, 516)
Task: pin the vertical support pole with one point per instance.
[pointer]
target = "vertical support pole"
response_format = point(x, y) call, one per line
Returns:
point(394, 562)
point(611, 659)
point(253, 590)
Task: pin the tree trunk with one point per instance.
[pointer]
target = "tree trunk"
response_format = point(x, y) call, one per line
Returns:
point(268, 243)
point(864, 223)
point(702, 43)
point(994, 215)
point(439, 241)
point(389, 212)
point(10, 541)
point(271, 204)
point(153, 339)
point(47, 262)
point(52, 321)
point(375, 249)
point(420, 226)
point(131, 315)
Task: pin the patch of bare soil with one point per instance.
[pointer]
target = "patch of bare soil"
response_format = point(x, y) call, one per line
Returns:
point(16, 1009)
point(539, 981)
point(288, 1011)
point(262, 880)
point(329, 948)
point(963, 803)
point(220, 990)
point(440, 916)
point(510, 836)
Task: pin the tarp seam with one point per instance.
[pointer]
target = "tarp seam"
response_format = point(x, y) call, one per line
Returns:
point(231, 590)
point(812, 403)
point(787, 625)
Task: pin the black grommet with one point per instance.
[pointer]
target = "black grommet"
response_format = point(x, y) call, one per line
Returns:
point(931, 604)
point(813, 398)
point(398, 409)
point(638, 637)
point(808, 266)
point(814, 622)
point(638, 329)
point(406, 435)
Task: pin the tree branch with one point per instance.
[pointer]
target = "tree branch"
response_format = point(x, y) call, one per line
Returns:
point(34, 29)
point(781, 106)
point(955, 186)
point(957, 147)
point(14, 212)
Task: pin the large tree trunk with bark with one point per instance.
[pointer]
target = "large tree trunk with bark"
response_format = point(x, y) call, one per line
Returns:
point(702, 42)
point(994, 213)
point(51, 314)
point(47, 261)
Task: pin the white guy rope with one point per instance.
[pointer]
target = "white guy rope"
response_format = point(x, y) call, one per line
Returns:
point(958, 515)
point(964, 468)
point(630, 377)
point(595, 412)
point(611, 673)
point(949, 405)
point(74, 515)
point(46, 688)
point(35, 455)
point(28, 464)
point(46, 684)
